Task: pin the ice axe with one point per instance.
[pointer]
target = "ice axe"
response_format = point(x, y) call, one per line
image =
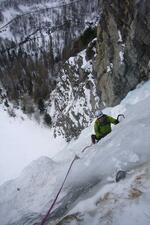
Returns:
point(120, 115)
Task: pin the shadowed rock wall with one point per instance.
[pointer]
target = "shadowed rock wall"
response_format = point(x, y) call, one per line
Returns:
point(123, 47)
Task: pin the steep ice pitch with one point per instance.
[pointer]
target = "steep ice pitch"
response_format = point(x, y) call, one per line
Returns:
point(127, 148)
point(101, 200)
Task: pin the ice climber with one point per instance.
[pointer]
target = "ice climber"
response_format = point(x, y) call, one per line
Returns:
point(102, 126)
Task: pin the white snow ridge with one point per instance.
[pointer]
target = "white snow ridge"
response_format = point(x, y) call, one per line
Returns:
point(90, 195)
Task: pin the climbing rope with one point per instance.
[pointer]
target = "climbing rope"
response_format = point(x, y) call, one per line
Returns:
point(75, 158)
point(88, 146)
point(53, 203)
point(51, 207)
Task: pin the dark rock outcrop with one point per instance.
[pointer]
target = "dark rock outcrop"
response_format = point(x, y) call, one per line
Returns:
point(123, 47)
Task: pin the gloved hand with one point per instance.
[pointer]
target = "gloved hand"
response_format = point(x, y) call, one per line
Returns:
point(117, 121)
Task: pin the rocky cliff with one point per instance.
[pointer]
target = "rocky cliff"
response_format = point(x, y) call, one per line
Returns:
point(37, 38)
point(123, 47)
point(75, 99)
point(69, 58)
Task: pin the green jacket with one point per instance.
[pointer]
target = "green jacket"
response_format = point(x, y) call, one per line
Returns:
point(104, 128)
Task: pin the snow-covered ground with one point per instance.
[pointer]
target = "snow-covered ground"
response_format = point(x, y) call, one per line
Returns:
point(126, 202)
point(92, 196)
point(23, 140)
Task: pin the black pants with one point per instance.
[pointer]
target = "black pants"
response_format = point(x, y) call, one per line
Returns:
point(94, 139)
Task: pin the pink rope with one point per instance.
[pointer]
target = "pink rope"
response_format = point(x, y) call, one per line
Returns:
point(87, 147)
point(50, 209)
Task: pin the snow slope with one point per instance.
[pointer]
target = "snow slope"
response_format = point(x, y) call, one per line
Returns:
point(90, 195)
point(121, 203)
point(23, 140)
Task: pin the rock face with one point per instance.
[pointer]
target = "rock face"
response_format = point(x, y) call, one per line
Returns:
point(73, 103)
point(52, 62)
point(123, 47)
point(36, 40)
